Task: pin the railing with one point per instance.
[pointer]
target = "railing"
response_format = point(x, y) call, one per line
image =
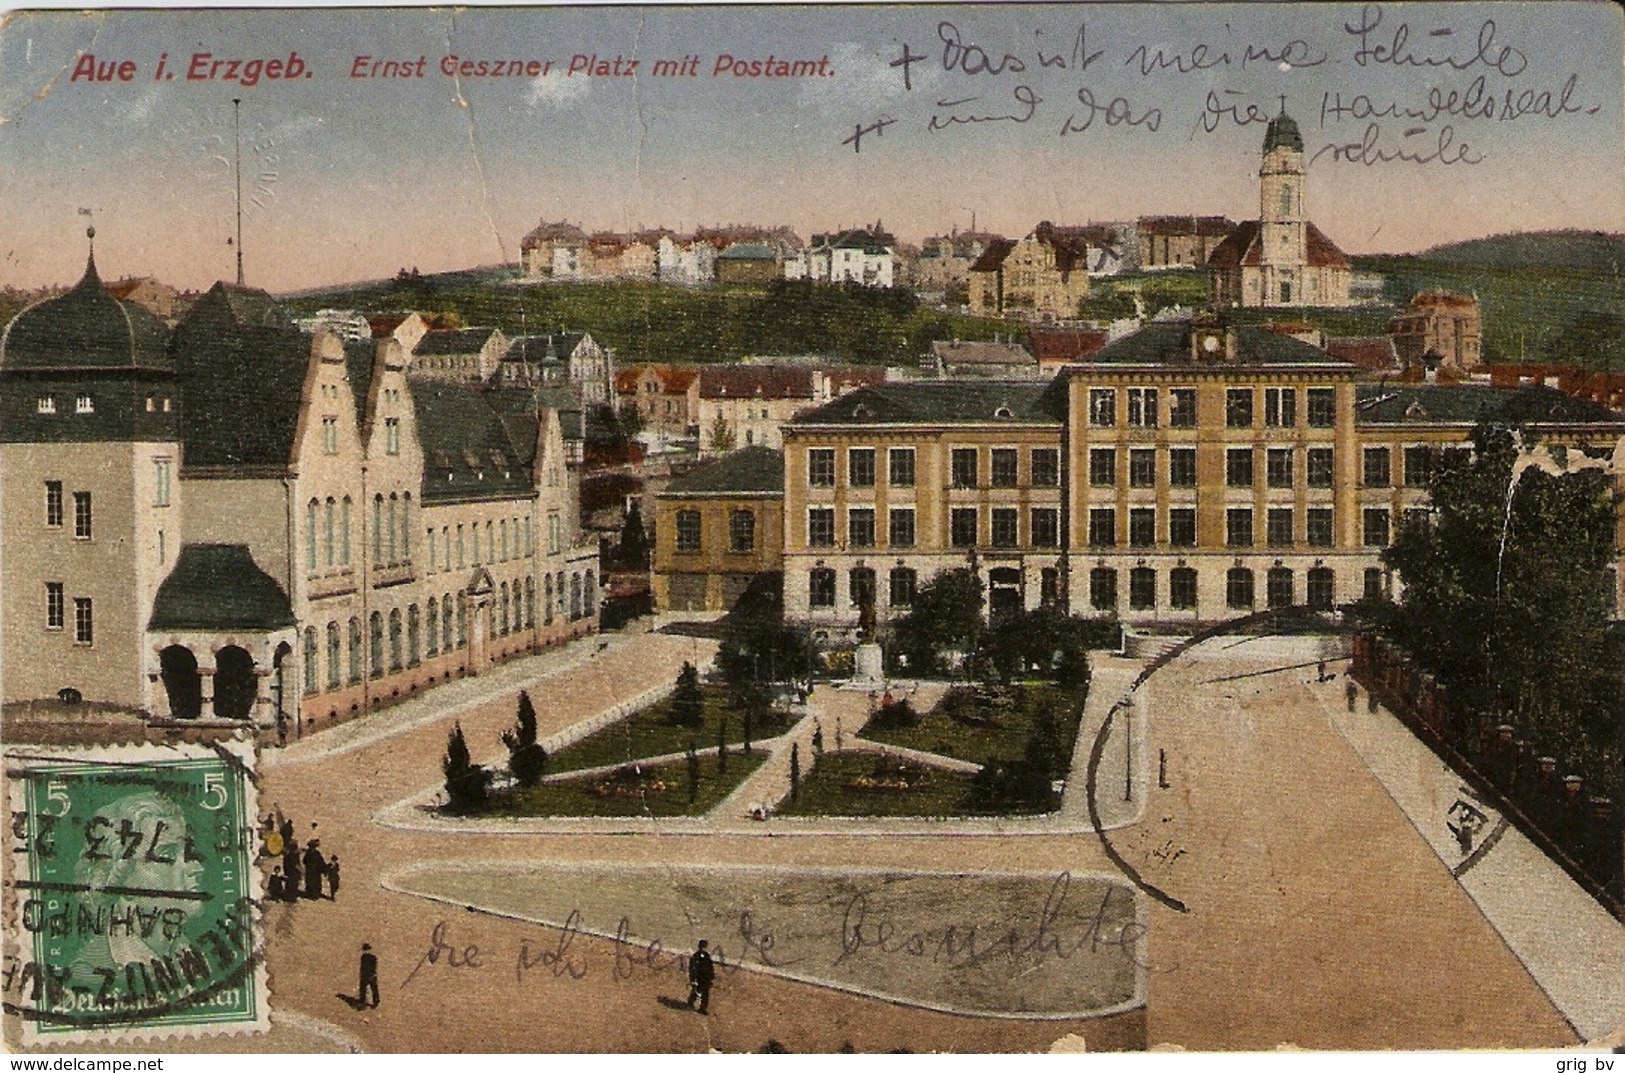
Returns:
point(1582, 834)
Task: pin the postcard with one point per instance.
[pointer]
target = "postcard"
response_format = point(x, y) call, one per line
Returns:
point(813, 528)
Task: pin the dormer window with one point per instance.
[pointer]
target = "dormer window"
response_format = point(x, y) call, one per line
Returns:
point(84, 405)
point(46, 404)
point(1003, 413)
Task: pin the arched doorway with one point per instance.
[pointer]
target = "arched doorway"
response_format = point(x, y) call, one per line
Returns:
point(178, 669)
point(235, 685)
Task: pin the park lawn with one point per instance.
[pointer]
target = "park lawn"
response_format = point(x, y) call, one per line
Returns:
point(649, 733)
point(937, 733)
point(660, 790)
point(826, 790)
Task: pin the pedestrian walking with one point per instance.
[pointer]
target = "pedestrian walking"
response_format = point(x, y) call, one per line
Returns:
point(700, 974)
point(333, 878)
point(1320, 671)
point(1352, 692)
point(315, 866)
point(276, 886)
point(291, 874)
point(369, 977)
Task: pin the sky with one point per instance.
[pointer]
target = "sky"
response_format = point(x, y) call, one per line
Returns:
point(1502, 117)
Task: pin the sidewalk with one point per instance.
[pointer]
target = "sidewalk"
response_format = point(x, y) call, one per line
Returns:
point(441, 702)
point(1571, 946)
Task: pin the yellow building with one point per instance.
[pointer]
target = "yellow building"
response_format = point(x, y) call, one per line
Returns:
point(717, 529)
point(893, 484)
point(1191, 472)
point(1042, 277)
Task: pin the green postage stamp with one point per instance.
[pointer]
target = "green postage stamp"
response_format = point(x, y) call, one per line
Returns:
point(133, 893)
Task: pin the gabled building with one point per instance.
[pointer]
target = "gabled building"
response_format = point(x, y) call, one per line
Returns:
point(1179, 241)
point(471, 354)
point(860, 255)
point(350, 536)
point(571, 358)
point(1042, 277)
point(665, 397)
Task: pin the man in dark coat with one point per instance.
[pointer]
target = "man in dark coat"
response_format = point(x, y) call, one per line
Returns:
point(290, 870)
point(315, 867)
point(700, 974)
point(369, 977)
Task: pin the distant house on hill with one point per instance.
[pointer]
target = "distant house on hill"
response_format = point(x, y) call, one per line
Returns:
point(1179, 241)
point(866, 255)
point(1042, 277)
point(944, 261)
point(553, 251)
point(747, 264)
point(1439, 328)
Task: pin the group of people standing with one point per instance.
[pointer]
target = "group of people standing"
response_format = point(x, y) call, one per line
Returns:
point(308, 874)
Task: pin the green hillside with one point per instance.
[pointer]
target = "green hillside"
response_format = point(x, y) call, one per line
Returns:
point(1596, 251)
point(653, 322)
point(1533, 311)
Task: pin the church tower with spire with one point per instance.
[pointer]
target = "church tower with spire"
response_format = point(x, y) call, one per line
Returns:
point(1281, 259)
point(1283, 244)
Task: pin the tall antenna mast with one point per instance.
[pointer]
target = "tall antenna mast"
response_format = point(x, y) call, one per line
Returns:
point(237, 126)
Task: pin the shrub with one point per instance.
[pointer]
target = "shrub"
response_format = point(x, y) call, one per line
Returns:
point(526, 759)
point(687, 703)
point(467, 784)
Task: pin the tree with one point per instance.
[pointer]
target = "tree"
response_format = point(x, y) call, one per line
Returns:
point(947, 614)
point(526, 758)
point(722, 435)
point(633, 553)
point(687, 702)
point(722, 745)
point(467, 783)
point(693, 774)
point(1505, 599)
point(795, 771)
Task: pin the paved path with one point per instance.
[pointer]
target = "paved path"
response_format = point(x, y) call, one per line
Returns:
point(1317, 915)
point(1574, 949)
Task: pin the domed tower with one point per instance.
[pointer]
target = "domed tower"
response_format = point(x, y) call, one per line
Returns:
point(90, 503)
point(1282, 216)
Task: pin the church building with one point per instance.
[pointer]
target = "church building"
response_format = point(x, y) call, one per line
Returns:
point(1281, 259)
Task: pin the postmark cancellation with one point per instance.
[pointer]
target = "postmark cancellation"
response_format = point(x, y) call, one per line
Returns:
point(131, 894)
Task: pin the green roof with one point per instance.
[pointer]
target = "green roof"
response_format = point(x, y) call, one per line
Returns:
point(1283, 130)
point(749, 471)
point(1168, 343)
point(242, 377)
point(86, 328)
point(944, 402)
point(467, 450)
point(219, 587)
point(1466, 404)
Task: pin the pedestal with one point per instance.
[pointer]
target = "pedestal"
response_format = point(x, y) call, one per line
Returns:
point(867, 665)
